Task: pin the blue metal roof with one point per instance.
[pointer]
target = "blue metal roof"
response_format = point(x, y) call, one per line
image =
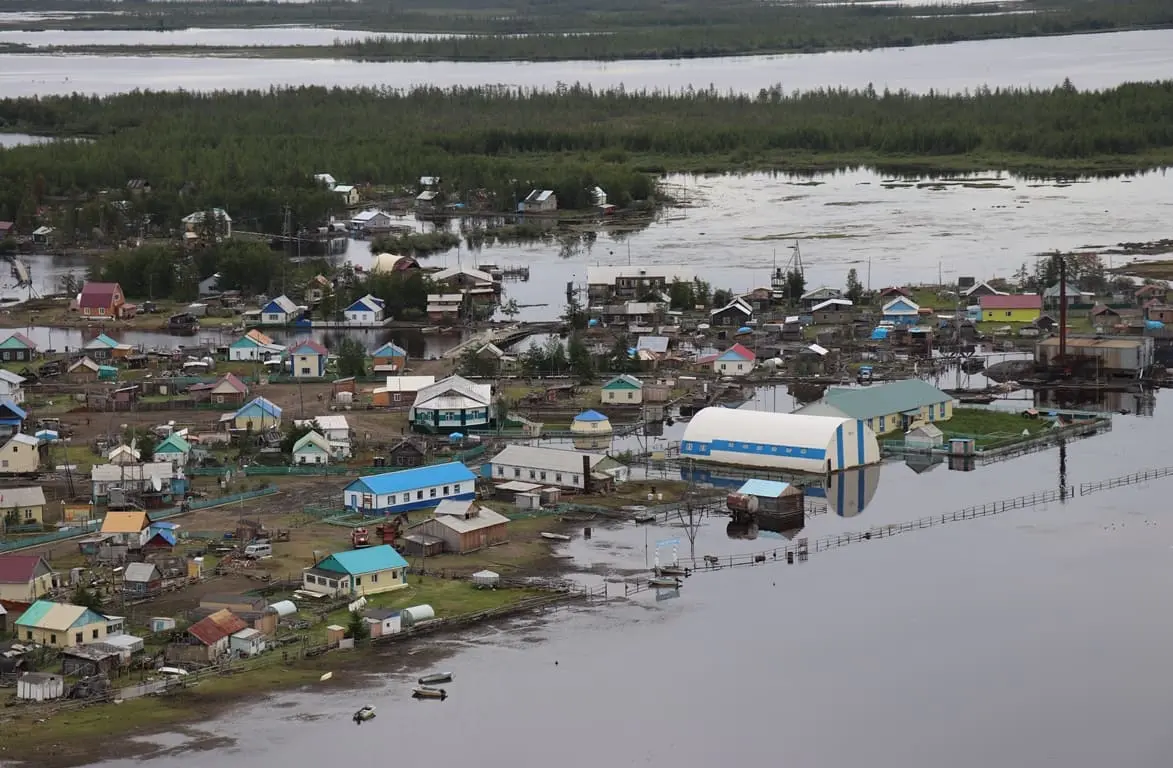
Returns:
point(590, 416)
point(360, 561)
point(732, 354)
point(362, 306)
point(770, 489)
point(410, 479)
point(390, 349)
point(266, 406)
point(14, 408)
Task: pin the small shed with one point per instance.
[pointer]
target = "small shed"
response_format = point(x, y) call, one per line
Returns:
point(382, 621)
point(90, 659)
point(40, 686)
point(484, 579)
point(926, 437)
point(422, 544)
point(415, 614)
point(247, 642)
point(774, 497)
point(162, 623)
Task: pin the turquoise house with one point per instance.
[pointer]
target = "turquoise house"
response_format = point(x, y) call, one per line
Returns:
point(357, 572)
point(174, 449)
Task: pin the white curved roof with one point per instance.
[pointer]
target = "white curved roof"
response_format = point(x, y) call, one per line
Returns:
point(763, 427)
point(385, 262)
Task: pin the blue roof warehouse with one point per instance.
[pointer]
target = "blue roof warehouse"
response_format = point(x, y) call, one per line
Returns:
point(408, 489)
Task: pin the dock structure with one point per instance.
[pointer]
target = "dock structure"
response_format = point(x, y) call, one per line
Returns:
point(504, 337)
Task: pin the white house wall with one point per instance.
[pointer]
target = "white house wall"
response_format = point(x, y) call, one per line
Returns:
point(505, 472)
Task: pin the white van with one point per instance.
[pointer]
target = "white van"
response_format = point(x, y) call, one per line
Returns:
point(258, 551)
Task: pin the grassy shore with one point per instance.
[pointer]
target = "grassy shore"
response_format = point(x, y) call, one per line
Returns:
point(990, 427)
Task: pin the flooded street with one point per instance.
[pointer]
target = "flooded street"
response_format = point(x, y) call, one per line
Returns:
point(1001, 640)
point(1090, 61)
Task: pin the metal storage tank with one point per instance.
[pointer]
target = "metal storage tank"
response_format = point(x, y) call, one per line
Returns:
point(779, 441)
point(416, 614)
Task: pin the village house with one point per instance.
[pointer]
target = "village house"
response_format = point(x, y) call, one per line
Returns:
point(1011, 308)
point(308, 359)
point(20, 455)
point(371, 220)
point(473, 283)
point(22, 506)
point(229, 390)
point(405, 453)
point(452, 404)
point(366, 311)
point(129, 528)
point(634, 282)
point(123, 454)
point(623, 390)
point(84, 370)
point(12, 418)
point(735, 361)
point(254, 345)
point(1051, 295)
point(556, 467)
point(382, 621)
point(255, 611)
point(103, 348)
point(347, 192)
point(652, 347)
point(311, 448)
point(1161, 313)
point(11, 386)
point(818, 295)
point(207, 639)
point(247, 643)
point(734, 314)
point(159, 540)
point(901, 311)
point(389, 358)
point(976, 292)
point(631, 314)
point(833, 312)
point(24, 578)
point(326, 180)
point(336, 429)
point(195, 226)
point(280, 311)
point(61, 625)
point(174, 449)
point(141, 579)
point(209, 286)
point(495, 359)
point(90, 659)
point(408, 489)
point(153, 485)
point(101, 300)
point(445, 307)
point(369, 571)
point(539, 201)
point(44, 235)
point(400, 390)
point(258, 415)
point(888, 407)
point(17, 348)
point(464, 526)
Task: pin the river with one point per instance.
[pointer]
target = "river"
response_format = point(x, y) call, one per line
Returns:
point(1021, 639)
point(230, 37)
point(1090, 61)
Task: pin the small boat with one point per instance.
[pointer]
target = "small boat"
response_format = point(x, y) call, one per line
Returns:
point(672, 570)
point(436, 677)
point(665, 582)
point(364, 714)
point(325, 676)
point(555, 536)
point(644, 517)
point(424, 692)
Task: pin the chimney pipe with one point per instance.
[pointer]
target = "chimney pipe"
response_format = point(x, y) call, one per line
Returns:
point(586, 474)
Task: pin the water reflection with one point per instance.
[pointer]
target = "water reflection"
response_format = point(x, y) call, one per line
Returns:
point(1140, 403)
point(845, 493)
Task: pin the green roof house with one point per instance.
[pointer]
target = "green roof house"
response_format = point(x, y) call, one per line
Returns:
point(623, 389)
point(312, 448)
point(17, 347)
point(174, 449)
point(895, 405)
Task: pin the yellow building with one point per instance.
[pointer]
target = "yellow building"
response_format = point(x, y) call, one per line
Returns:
point(22, 506)
point(19, 455)
point(891, 407)
point(258, 415)
point(1014, 308)
point(24, 578)
point(60, 625)
point(357, 572)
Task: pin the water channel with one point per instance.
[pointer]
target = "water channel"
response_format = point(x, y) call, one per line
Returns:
point(1090, 61)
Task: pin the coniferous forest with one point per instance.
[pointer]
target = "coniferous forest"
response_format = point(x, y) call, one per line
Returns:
point(254, 152)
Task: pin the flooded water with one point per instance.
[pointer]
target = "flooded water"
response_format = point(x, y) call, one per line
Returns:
point(1090, 61)
point(909, 651)
point(17, 139)
point(230, 37)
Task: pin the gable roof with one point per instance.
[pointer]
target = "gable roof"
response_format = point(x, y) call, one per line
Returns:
point(140, 572)
point(406, 383)
point(308, 347)
point(32, 496)
point(832, 303)
point(367, 303)
point(901, 305)
point(16, 379)
point(451, 272)
point(737, 304)
point(46, 614)
point(230, 382)
point(553, 459)
point(451, 515)
point(1012, 301)
point(280, 304)
point(359, 561)
point(738, 352)
point(312, 439)
point(624, 381)
point(268, 407)
point(390, 349)
point(20, 569)
point(18, 341)
point(991, 290)
point(770, 489)
point(417, 477)
point(173, 444)
point(884, 399)
point(216, 626)
point(8, 405)
point(86, 363)
point(101, 341)
point(655, 344)
point(129, 521)
point(822, 290)
point(95, 295)
point(454, 392)
point(23, 439)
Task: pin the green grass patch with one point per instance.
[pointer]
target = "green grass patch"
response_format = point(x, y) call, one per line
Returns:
point(990, 427)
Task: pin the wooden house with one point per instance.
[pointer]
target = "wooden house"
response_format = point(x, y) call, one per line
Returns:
point(464, 526)
point(17, 348)
point(389, 358)
point(101, 300)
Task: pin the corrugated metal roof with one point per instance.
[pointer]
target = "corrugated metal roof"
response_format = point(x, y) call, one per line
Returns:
point(1012, 301)
point(215, 627)
point(359, 561)
point(131, 521)
point(19, 569)
point(140, 572)
point(770, 489)
point(883, 399)
point(552, 459)
point(590, 416)
point(45, 614)
point(484, 518)
point(266, 406)
point(624, 381)
point(468, 394)
point(416, 477)
point(390, 349)
point(22, 497)
point(174, 444)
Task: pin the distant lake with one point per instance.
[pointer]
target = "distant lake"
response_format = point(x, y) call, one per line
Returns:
point(231, 37)
point(16, 139)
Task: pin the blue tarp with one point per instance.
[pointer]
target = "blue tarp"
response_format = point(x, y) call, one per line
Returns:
point(1153, 325)
point(879, 334)
point(745, 329)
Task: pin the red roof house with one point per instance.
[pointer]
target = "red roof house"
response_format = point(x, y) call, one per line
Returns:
point(212, 631)
point(101, 300)
point(24, 578)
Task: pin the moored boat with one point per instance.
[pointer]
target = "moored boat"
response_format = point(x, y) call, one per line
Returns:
point(424, 692)
point(364, 714)
point(555, 536)
point(436, 677)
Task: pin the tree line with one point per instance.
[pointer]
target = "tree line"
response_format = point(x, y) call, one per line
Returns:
point(250, 152)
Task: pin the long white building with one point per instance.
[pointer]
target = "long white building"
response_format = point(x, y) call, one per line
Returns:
point(779, 441)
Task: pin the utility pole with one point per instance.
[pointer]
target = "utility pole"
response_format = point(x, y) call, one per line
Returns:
point(287, 230)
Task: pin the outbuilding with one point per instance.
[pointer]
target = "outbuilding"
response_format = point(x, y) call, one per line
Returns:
point(246, 643)
point(925, 437)
point(39, 686)
point(779, 441)
point(400, 391)
point(465, 526)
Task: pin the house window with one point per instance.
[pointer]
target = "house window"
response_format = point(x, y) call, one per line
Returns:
point(28, 514)
point(374, 578)
point(574, 479)
point(558, 477)
point(532, 475)
point(882, 423)
point(500, 471)
point(95, 634)
point(357, 580)
point(739, 366)
point(52, 639)
point(630, 395)
point(4, 463)
point(1008, 314)
point(456, 488)
point(419, 495)
point(28, 635)
point(432, 493)
point(305, 371)
point(516, 472)
point(101, 310)
point(77, 637)
point(543, 476)
point(445, 490)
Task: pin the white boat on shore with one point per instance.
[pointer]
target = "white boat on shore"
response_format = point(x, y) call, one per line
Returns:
point(555, 536)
